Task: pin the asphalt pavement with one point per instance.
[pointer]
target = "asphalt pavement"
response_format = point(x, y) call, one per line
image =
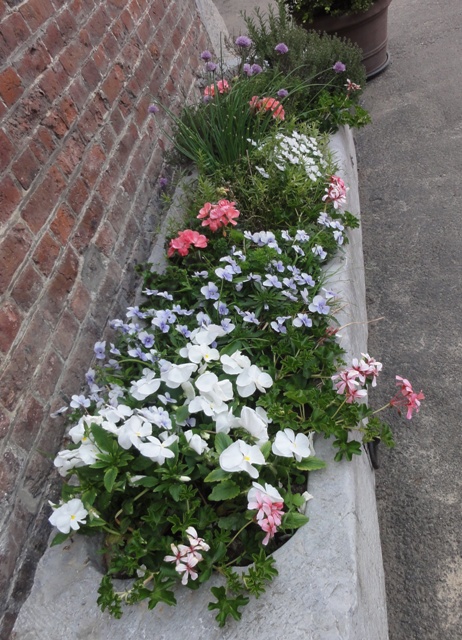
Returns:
point(409, 162)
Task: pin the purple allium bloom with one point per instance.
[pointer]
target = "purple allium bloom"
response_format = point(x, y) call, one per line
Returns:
point(206, 55)
point(256, 69)
point(163, 182)
point(211, 67)
point(247, 69)
point(281, 48)
point(339, 67)
point(207, 99)
point(282, 93)
point(99, 349)
point(243, 41)
point(153, 108)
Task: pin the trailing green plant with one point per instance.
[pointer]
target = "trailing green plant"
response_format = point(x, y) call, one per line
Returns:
point(190, 449)
point(305, 10)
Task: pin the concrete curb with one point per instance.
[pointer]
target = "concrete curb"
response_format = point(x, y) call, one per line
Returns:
point(330, 584)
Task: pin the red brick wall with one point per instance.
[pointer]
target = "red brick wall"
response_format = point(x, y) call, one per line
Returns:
point(79, 165)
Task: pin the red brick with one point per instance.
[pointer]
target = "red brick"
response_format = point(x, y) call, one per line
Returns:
point(6, 150)
point(93, 164)
point(78, 195)
point(10, 197)
point(4, 423)
point(56, 123)
point(65, 334)
point(10, 86)
point(67, 111)
point(79, 92)
point(26, 168)
point(111, 46)
point(91, 74)
point(107, 139)
point(60, 286)
point(71, 154)
point(67, 25)
point(100, 59)
point(48, 375)
point(126, 105)
point(33, 62)
point(53, 40)
point(84, 38)
point(53, 82)
point(36, 12)
point(9, 470)
point(73, 56)
point(97, 25)
point(135, 10)
point(46, 254)
point(14, 32)
point(13, 250)
point(80, 301)
point(28, 288)
point(44, 199)
point(43, 145)
point(10, 323)
point(126, 146)
point(145, 29)
point(63, 223)
point(29, 111)
point(89, 225)
point(106, 239)
point(109, 183)
point(92, 118)
point(120, 209)
point(113, 84)
point(25, 359)
point(25, 428)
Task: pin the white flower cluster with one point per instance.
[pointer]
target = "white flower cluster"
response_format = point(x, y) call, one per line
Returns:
point(296, 149)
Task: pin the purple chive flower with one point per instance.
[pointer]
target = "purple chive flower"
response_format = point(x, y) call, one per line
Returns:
point(282, 93)
point(247, 69)
point(206, 55)
point(163, 182)
point(211, 67)
point(256, 69)
point(243, 41)
point(153, 108)
point(339, 67)
point(281, 48)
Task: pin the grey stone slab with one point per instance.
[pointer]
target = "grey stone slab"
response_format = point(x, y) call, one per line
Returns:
point(330, 584)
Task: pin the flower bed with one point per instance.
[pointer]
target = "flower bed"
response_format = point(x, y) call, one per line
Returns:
point(190, 448)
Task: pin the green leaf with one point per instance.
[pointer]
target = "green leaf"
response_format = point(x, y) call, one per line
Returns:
point(109, 478)
point(294, 520)
point(225, 491)
point(103, 439)
point(148, 481)
point(217, 475)
point(266, 449)
point(181, 414)
point(310, 464)
point(226, 606)
point(222, 442)
point(59, 538)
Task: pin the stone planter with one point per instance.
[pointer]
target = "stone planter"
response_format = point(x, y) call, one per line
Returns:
point(369, 30)
point(330, 584)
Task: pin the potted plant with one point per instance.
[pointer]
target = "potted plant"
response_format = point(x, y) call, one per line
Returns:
point(362, 21)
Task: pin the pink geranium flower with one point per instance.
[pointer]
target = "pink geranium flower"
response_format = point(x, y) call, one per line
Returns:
point(222, 86)
point(406, 398)
point(218, 215)
point(336, 192)
point(268, 104)
point(184, 241)
point(269, 510)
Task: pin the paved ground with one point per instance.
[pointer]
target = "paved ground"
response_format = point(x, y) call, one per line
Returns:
point(411, 200)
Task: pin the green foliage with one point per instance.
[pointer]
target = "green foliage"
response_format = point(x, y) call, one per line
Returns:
point(306, 10)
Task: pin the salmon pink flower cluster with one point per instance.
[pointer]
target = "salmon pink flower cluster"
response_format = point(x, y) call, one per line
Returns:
point(222, 86)
point(184, 241)
point(350, 381)
point(406, 397)
point(336, 192)
point(269, 503)
point(186, 557)
point(218, 215)
point(268, 104)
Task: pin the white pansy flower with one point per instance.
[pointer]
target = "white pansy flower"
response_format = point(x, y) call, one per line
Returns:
point(199, 352)
point(177, 374)
point(69, 516)
point(145, 386)
point(252, 423)
point(235, 364)
point(252, 379)
point(225, 421)
point(131, 432)
point(267, 490)
point(196, 442)
point(241, 456)
point(287, 444)
point(157, 450)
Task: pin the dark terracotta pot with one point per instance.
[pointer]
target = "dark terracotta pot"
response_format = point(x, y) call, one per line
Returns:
point(368, 30)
